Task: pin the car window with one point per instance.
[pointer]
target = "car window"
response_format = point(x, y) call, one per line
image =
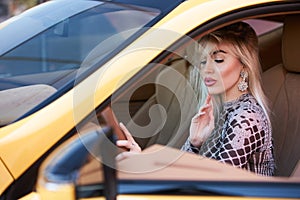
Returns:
point(262, 26)
point(63, 47)
point(51, 58)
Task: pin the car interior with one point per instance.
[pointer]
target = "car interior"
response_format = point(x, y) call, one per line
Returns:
point(281, 83)
point(278, 53)
point(168, 86)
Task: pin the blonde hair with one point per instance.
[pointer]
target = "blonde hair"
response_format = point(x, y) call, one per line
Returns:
point(244, 41)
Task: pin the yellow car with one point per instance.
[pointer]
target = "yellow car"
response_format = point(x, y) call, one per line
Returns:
point(71, 70)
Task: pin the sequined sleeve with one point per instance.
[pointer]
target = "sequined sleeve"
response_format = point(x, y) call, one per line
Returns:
point(188, 147)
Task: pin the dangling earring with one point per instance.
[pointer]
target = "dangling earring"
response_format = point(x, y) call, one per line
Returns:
point(243, 85)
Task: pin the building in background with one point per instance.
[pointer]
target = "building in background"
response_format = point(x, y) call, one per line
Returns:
point(9, 8)
point(4, 9)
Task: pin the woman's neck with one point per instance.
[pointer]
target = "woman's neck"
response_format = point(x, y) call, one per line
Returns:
point(233, 97)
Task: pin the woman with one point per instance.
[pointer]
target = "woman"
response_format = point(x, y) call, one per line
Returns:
point(233, 124)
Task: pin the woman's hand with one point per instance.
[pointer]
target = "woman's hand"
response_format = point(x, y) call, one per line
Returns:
point(129, 143)
point(202, 124)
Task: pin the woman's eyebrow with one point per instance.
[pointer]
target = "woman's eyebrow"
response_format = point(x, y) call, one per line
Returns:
point(218, 51)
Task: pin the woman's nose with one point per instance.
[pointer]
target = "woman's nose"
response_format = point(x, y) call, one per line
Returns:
point(208, 67)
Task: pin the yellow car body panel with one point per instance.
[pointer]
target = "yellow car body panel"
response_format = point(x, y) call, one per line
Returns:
point(63, 191)
point(23, 142)
point(31, 137)
point(190, 14)
point(6, 177)
point(48, 195)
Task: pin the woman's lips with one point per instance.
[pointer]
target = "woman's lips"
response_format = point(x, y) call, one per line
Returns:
point(209, 82)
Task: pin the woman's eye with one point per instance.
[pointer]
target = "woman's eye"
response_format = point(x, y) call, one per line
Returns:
point(219, 60)
point(202, 63)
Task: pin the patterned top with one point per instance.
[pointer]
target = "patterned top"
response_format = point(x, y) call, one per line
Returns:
point(242, 137)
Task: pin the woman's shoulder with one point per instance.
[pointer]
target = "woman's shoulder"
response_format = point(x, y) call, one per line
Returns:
point(245, 107)
point(247, 113)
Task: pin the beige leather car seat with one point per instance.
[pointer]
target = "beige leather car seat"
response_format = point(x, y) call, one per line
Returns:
point(174, 93)
point(282, 86)
point(270, 48)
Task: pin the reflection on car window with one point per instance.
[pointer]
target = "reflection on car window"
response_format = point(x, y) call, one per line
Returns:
point(64, 46)
point(52, 57)
point(263, 26)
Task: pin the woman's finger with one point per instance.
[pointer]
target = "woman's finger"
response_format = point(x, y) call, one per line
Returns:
point(211, 115)
point(207, 103)
point(126, 143)
point(125, 155)
point(203, 108)
point(121, 156)
point(208, 99)
point(123, 143)
point(126, 132)
point(197, 116)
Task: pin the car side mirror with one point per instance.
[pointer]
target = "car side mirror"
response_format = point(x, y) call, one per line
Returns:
point(59, 173)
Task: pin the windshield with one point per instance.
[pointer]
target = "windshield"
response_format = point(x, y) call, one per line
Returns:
point(51, 57)
point(65, 45)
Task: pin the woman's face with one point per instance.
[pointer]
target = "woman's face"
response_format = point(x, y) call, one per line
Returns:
point(220, 70)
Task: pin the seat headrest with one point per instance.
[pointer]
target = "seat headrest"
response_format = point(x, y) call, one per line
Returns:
point(291, 43)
